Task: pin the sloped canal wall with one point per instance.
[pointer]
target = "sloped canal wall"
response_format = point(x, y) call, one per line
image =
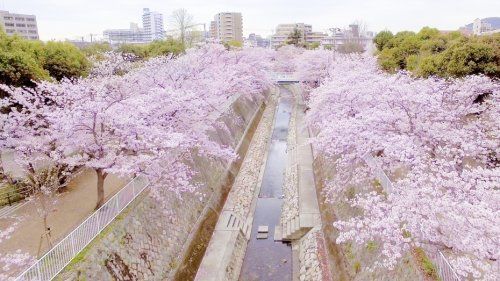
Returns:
point(150, 242)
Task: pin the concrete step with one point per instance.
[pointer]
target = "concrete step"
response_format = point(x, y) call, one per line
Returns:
point(278, 234)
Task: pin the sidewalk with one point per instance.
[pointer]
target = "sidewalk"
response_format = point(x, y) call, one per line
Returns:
point(73, 207)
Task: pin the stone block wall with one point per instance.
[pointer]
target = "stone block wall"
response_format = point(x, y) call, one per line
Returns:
point(313, 257)
point(148, 241)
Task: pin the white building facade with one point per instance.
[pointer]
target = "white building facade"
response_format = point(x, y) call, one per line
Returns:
point(480, 27)
point(122, 36)
point(283, 31)
point(20, 24)
point(152, 22)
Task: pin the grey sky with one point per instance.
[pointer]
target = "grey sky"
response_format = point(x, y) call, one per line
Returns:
point(59, 19)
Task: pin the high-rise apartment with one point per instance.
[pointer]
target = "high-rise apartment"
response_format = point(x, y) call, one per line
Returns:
point(227, 27)
point(23, 25)
point(152, 22)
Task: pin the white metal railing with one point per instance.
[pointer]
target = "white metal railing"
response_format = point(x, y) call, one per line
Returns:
point(445, 270)
point(285, 77)
point(49, 265)
point(57, 258)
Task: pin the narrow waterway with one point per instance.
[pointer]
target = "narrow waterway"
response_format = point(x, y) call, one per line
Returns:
point(266, 260)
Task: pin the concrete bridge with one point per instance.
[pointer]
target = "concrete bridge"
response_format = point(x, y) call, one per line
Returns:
point(285, 77)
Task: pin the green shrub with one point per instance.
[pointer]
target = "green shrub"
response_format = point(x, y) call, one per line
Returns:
point(153, 49)
point(24, 61)
point(96, 49)
point(64, 59)
point(383, 39)
point(430, 52)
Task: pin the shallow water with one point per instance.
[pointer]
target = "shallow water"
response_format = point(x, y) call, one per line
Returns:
point(265, 259)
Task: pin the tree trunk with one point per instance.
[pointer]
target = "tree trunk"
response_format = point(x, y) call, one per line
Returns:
point(101, 176)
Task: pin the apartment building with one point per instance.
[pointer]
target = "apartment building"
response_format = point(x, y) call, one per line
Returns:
point(283, 31)
point(152, 22)
point(315, 37)
point(23, 25)
point(213, 30)
point(227, 27)
point(480, 27)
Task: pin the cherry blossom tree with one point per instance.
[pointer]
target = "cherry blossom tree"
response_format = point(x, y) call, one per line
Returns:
point(129, 118)
point(437, 139)
point(124, 123)
point(285, 58)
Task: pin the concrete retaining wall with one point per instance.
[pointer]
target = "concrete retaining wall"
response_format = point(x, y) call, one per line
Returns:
point(148, 242)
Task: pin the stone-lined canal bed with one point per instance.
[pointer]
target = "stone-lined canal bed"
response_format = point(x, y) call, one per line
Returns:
point(290, 208)
point(266, 259)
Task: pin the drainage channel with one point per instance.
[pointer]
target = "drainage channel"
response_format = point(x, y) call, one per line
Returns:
point(266, 259)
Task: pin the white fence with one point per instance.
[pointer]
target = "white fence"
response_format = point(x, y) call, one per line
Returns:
point(445, 270)
point(48, 266)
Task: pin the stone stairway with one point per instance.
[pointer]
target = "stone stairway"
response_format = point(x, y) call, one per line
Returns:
point(302, 210)
point(295, 228)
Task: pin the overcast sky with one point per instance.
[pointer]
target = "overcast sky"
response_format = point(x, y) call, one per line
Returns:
point(60, 19)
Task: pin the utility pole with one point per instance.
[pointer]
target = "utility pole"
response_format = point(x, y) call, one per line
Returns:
point(91, 37)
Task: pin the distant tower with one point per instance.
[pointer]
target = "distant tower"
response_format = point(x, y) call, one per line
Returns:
point(152, 23)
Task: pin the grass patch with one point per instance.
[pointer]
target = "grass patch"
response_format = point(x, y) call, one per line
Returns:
point(348, 251)
point(371, 246)
point(350, 193)
point(377, 186)
point(357, 267)
point(9, 193)
point(426, 265)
